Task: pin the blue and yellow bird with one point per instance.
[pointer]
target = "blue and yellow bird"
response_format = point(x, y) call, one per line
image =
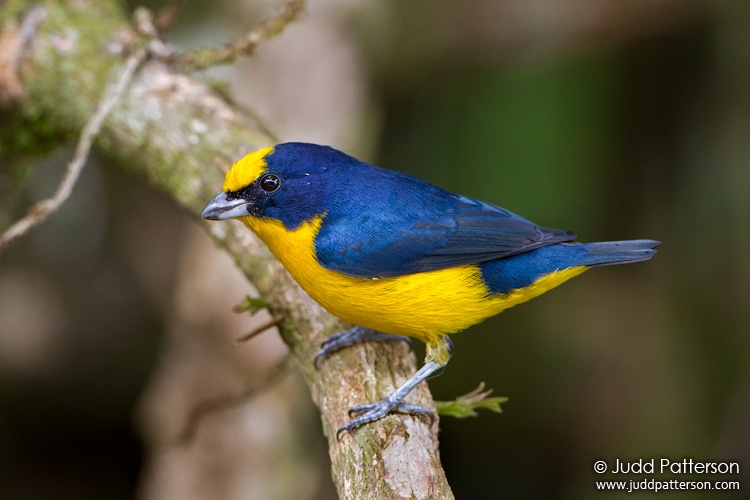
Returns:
point(396, 255)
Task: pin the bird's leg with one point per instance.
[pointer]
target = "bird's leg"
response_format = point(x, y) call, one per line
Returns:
point(437, 357)
point(353, 336)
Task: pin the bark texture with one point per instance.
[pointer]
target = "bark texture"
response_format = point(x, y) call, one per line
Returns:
point(179, 135)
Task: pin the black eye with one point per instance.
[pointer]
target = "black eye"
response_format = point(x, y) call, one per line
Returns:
point(269, 183)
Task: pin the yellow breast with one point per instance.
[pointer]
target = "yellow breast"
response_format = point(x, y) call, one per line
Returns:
point(425, 305)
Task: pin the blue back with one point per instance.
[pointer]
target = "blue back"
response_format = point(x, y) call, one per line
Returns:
point(381, 223)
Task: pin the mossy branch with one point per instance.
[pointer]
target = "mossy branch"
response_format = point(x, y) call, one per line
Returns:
point(170, 129)
point(196, 60)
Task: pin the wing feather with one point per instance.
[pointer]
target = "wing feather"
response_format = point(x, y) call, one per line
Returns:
point(424, 230)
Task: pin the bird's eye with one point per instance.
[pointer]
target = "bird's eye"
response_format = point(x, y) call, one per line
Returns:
point(269, 183)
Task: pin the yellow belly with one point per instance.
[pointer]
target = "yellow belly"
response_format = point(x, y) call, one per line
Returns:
point(425, 305)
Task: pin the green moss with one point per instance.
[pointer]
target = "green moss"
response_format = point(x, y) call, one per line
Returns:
point(70, 49)
point(13, 9)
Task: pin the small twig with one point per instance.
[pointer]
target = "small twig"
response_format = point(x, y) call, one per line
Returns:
point(113, 92)
point(29, 26)
point(196, 60)
point(145, 24)
point(167, 15)
point(220, 403)
point(41, 210)
point(14, 42)
point(275, 320)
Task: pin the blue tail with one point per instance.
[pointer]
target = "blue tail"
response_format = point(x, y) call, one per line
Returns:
point(520, 271)
point(614, 252)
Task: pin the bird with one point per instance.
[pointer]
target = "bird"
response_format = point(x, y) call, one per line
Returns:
point(396, 256)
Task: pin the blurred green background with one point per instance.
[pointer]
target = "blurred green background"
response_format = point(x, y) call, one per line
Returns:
point(616, 120)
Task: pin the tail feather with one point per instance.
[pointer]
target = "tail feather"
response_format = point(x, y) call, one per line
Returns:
point(607, 253)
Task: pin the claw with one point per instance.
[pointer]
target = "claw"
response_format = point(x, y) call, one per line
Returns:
point(394, 402)
point(418, 411)
point(349, 338)
point(376, 411)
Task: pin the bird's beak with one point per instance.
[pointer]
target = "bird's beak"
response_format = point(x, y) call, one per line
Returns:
point(220, 208)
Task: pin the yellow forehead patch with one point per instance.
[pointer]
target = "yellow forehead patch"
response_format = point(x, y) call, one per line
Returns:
point(245, 171)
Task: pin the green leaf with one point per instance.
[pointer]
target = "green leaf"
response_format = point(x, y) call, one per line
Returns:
point(251, 305)
point(466, 405)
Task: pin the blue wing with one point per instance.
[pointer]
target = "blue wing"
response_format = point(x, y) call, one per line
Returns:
point(395, 224)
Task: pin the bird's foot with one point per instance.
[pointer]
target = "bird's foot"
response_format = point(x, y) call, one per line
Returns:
point(353, 336)
point(393, 403)
point(366, 413)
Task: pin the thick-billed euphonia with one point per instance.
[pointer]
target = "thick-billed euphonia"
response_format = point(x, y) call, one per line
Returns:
point(394, 254)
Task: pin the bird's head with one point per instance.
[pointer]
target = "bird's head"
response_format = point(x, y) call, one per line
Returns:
point(287, 182)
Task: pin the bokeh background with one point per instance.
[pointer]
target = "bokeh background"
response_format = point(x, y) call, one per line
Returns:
point(613, 119)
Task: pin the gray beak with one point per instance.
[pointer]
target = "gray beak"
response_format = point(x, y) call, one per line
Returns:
point(220, 208)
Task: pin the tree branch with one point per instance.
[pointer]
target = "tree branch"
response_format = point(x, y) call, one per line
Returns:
point(169, 128)
point(195, 60)
point(113, 93)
